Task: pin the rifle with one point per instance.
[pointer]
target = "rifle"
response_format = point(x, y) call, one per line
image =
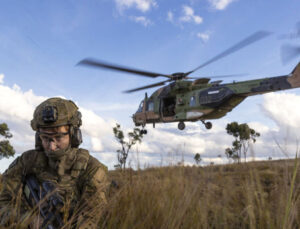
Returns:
point(46, 199)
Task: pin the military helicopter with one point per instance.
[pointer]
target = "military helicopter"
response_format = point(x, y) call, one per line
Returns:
point(183, 100)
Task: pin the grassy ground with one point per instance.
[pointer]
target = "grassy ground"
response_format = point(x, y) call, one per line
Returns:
point(248, 195)
point(252, 195)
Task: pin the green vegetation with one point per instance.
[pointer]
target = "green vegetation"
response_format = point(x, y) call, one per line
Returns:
point(6, 149)
point(243, 135)
point(133, 137)
point(197, 158)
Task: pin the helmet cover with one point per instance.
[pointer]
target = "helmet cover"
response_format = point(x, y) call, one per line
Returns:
point(56, 112)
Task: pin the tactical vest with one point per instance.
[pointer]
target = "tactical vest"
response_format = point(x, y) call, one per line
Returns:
point(69, 185)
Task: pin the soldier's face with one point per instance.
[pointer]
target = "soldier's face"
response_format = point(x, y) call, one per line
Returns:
point(55, 138)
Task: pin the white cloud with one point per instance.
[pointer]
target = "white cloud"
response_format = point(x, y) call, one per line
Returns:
point(170, 16)
point(142, 20)
point(204, 36)
point(96, 144)
point(16, 109)
point(283, 109)
point(259, 127)
point(16, 104)
point(166, 138)
point(142, 5)
point(189, 15)
point(96, 128)
point(111, 107)
point(220, 4)
point(1, 78)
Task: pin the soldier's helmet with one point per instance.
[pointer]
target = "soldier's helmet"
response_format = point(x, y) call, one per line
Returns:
point(56, 112)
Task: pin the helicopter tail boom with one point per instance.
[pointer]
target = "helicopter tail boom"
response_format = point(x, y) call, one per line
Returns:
point(266, 85)
point(294, 79)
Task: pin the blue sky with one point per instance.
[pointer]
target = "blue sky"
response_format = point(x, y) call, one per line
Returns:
point(42, 41)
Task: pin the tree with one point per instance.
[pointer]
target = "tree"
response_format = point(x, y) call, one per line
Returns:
point(6, 149)
point(230, 153)
point(197, 158)
point(133, 137)
point(244, 136)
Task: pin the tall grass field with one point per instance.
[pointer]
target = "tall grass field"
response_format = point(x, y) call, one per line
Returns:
point(247, 195)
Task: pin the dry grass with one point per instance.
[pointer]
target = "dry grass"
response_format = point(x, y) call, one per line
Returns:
point(250, 195)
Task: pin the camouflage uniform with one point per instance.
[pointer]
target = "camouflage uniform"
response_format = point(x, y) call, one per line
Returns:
point(79, 178)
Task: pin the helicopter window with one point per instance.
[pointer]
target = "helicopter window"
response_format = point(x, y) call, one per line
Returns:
point(150, 106)
point(192, 101)
point(169, 104)
point(141, 107)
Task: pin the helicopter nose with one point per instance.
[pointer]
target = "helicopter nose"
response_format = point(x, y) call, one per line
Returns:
point(133, 118)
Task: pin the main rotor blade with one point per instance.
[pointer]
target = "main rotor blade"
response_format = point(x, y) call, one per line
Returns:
point(289, 52)
point(148, 86)
point(101, 64)
point(217, 76)
point(247, 41)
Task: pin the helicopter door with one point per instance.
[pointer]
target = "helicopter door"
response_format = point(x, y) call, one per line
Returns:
point(168, 106)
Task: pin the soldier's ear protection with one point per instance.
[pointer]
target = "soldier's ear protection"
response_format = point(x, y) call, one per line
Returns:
point(76, 136)
point(75, 132)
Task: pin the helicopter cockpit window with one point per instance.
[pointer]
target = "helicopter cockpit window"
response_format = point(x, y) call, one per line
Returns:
point(150, 106)
point(141, 107)
point(192, 101)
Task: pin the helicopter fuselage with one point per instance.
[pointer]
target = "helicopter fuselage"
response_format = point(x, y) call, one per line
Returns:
point(185, 100)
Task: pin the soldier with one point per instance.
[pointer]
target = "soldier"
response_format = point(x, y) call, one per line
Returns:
point(57, 184)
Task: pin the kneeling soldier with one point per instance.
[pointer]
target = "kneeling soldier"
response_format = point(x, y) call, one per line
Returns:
point(57, 184)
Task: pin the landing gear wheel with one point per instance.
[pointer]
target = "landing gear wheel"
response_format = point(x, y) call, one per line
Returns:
point(143, 131)
point(208, 125)
point(181, 125)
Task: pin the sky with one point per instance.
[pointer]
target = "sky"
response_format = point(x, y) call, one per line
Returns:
point(42, 41)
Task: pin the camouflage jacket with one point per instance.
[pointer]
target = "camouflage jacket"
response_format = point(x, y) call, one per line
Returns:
point(82, 188)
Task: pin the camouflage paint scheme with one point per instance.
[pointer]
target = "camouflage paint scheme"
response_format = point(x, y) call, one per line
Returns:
point(212, 100)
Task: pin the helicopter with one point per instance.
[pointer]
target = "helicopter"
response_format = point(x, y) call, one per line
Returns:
point(199, 99)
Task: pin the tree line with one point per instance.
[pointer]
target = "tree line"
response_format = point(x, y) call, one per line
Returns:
point(243, 135)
